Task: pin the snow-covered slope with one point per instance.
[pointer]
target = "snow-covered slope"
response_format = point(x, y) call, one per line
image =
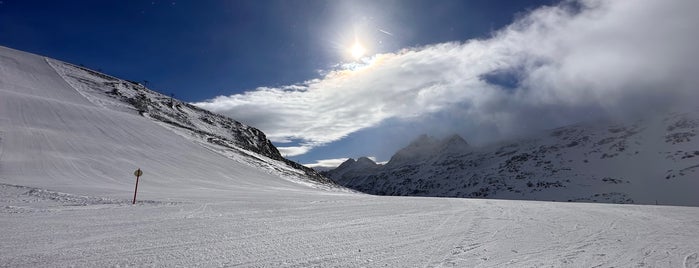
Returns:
point(647, 161)
point(67, 154)
point(73, 129)
point(279, 229)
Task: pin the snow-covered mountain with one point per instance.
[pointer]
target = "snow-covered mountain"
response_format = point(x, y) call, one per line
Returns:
point(215, 194)
point(83, 129)
point(212, 130)
point(646, 161)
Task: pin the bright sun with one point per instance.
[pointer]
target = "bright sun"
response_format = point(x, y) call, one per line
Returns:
point(357, 50)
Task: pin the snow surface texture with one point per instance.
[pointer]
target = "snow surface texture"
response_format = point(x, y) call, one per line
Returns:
point(306, 230)
point(650, 161)
point(66, 168)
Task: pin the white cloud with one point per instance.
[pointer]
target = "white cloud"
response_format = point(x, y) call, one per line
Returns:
point(327, 163)
point(335, 162)
point(287, 151)
point(570, 61)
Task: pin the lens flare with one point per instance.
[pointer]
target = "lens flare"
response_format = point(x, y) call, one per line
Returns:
point(357, 50)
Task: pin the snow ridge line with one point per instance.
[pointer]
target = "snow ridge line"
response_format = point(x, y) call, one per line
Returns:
point(48, 61)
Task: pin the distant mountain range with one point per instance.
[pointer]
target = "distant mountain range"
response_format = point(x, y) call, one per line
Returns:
point(649, 161)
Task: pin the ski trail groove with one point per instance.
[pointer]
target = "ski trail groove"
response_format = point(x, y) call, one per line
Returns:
point(691, 261)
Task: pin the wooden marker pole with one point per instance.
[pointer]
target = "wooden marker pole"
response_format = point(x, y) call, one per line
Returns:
point(138, 174)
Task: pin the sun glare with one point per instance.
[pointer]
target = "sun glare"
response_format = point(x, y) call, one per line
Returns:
point(357, 50)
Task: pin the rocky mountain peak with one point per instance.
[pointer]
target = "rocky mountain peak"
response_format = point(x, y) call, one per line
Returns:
point(454, 142)
point(423, 141)
point(425, 146)
point(348, 163)
point(365, 161)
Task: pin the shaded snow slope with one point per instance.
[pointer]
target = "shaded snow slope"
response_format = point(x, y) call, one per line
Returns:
point(53, 136)
point(655, 160)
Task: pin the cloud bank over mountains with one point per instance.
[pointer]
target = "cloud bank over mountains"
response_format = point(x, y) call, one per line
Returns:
point(555, 65)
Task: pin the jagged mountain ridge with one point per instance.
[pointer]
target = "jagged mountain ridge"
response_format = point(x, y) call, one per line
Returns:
point(647, 161)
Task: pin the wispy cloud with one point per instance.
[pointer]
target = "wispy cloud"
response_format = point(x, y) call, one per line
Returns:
point(333, 163)
point(327, 163)
point(560, 64)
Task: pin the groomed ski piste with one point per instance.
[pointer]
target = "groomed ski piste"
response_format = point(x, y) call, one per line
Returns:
point(66, 184)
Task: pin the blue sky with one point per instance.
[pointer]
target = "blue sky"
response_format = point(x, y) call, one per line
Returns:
point(201, 49)
point(484, 69)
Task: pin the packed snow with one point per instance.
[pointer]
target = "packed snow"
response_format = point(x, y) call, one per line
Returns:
point(66, 185)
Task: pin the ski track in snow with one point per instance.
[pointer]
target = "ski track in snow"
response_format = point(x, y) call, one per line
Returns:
point(309, 230)
point(691, 260)
point(65, 192)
